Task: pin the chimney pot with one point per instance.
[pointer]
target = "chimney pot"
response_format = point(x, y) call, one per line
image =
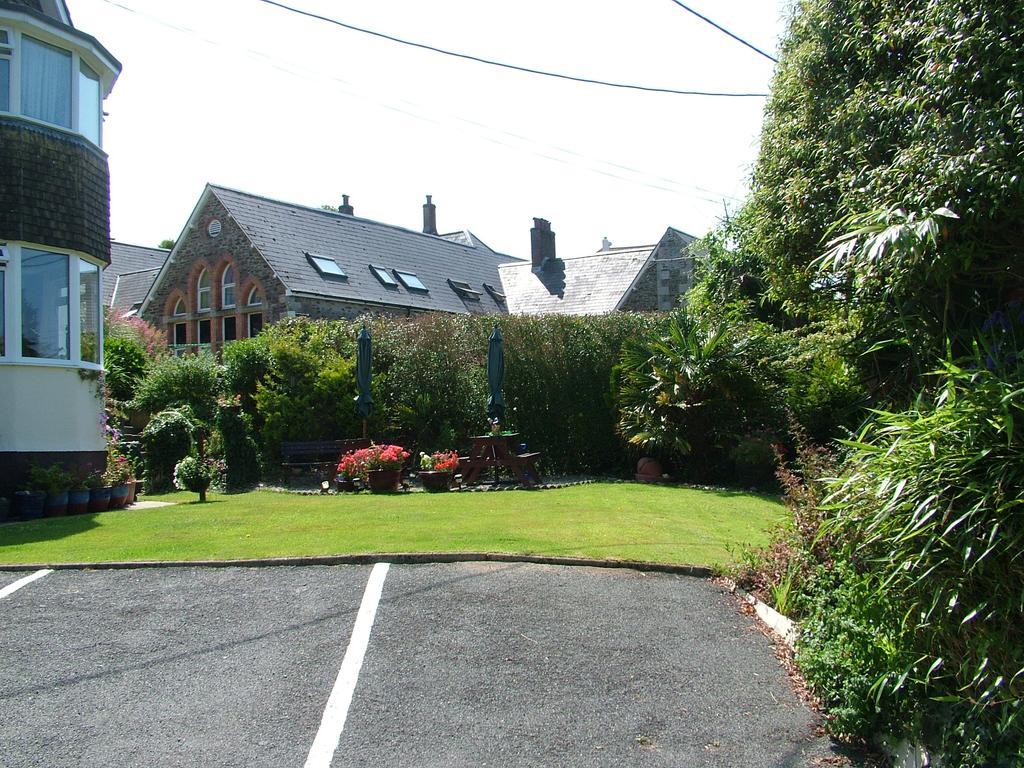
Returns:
point(429, 217)
point(606, 244)
point(542, 244)
point(345, 208)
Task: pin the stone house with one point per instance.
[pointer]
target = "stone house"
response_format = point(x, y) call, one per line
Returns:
point(244, 261)
point(642, 278)
point(54, 239)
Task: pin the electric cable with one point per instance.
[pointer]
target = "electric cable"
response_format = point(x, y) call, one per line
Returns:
point(505, 65)
point(720, 28)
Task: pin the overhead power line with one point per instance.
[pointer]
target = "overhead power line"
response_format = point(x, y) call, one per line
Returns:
point(720, 28)
point(516, 67)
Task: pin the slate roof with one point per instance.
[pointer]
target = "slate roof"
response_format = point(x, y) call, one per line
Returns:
point(135, 260)
point(584, 285)
point(284, 233)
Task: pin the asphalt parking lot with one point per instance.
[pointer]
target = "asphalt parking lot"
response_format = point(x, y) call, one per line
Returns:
point(465, 665)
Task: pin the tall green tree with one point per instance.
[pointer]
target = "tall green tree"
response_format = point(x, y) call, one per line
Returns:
point(889, 111)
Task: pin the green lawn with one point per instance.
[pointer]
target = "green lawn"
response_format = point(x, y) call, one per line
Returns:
point(623, 521)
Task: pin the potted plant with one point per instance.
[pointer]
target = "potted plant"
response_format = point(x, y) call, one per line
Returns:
point(196, 474)
point(117, 476)
point(384, 466)
point(351, 467)
point(28, 503)
point(99, 494)
point(437, 469)
point(78, 496)
point(54, 480)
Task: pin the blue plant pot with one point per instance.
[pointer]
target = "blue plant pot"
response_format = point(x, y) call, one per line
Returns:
point(78, 501)
point(28, 505)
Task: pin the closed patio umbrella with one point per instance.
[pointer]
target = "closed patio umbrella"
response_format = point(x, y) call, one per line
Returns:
point(364, 368)
point(495, 375)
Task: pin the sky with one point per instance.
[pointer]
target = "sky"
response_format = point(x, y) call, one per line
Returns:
point(244, 94)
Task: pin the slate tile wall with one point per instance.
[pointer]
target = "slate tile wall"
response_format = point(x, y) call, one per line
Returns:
point(43, 171)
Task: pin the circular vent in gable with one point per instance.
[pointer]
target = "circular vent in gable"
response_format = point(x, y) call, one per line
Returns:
point(214, 229)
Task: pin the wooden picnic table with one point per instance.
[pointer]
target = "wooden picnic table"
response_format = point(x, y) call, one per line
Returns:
point(493, 452)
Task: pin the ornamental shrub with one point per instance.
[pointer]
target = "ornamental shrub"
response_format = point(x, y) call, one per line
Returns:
point(196, 475)
point(240, 451)
point(126, 362)
point(191, 380)
point(167, 439)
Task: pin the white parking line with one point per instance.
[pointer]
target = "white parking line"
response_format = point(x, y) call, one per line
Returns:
point(10, 589)
point(326, 742)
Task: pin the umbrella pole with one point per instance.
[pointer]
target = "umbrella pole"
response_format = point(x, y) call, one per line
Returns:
point(364, 429)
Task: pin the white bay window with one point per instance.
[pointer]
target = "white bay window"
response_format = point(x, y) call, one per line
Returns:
point(45, 82)
point(41, 319)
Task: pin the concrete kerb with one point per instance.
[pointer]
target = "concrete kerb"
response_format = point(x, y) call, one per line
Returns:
point(402, 558)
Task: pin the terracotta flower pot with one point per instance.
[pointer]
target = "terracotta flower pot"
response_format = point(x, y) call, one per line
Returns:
point(435, 481)
point(384, 479)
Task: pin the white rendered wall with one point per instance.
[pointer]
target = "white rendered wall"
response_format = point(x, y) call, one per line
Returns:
point(49, 408)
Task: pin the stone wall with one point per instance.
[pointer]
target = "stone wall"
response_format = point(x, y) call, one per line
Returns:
point(44, 171)
point(198, 250)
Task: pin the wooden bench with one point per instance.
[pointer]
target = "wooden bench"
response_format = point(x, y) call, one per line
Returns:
point(320, 456)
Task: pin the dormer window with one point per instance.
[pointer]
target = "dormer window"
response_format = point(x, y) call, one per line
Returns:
point(326, 266)
point(227, 288)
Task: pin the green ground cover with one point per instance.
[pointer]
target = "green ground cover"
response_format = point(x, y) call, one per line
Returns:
point(622, 521)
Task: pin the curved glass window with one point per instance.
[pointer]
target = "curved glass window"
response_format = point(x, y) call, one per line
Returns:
point(45, 82)
point(179, 308)
point(254, 299)
point(45, 318)
point(89, 314)
point(203, 291)
point(227, 291)
point(89, 113)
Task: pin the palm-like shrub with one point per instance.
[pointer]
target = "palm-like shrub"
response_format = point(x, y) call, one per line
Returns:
point(695, 390)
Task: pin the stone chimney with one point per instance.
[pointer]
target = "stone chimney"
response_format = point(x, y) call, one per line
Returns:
point(542, 243)
point(345, 208)
point(429, 217)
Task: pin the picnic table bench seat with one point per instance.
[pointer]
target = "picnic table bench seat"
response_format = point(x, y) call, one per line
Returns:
point(320, 456)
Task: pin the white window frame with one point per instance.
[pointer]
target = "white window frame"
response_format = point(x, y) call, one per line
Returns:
point(49, 37)
point(248, 323)
point(7, 54)
point(223, 328)
point(174, 333)
point(11, 255)
point(208, 290)
point(254, 291)
point(179, 303)
point(224, 287)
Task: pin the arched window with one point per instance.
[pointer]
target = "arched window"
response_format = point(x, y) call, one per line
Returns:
point(179, 308)
point(254, 299)
point(203, 291)
point(227, 288)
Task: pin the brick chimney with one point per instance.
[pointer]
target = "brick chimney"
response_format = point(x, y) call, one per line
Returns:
point(542, 243)
point(345, 208)
point(429, 217)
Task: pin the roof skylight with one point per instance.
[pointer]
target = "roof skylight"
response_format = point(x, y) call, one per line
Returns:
point(410, 281)
point(384, 276)
point(325, 265)
point(464, 289)
point(497, 295)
